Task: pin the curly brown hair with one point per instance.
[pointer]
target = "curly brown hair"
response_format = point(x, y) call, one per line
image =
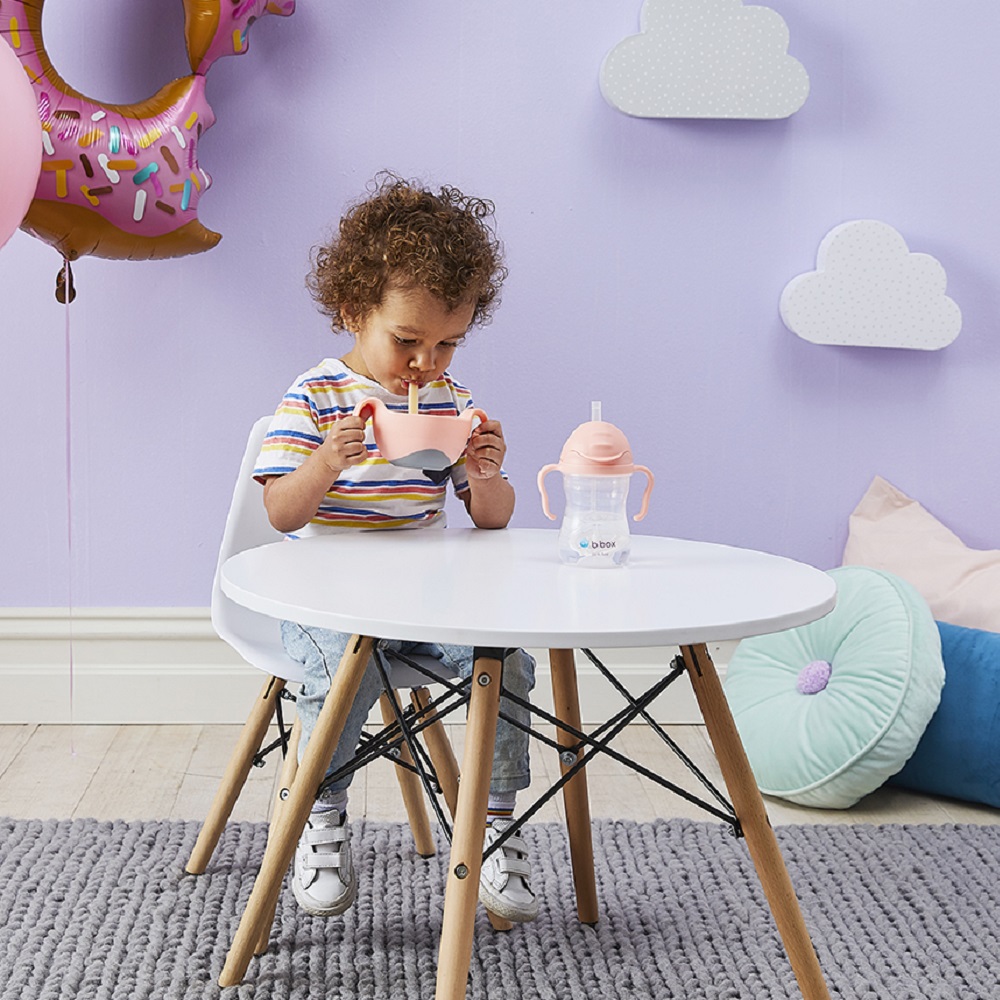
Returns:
point(402, 236)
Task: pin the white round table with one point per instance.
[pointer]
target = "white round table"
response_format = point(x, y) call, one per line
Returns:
point(500, 589)
point(508, 588)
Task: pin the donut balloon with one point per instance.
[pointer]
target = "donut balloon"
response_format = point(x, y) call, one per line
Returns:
point(214, 28)
point(122, 181)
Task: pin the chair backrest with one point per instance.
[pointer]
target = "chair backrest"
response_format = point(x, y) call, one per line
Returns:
point(256, 637)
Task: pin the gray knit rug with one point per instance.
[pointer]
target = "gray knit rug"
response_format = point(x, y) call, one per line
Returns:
point(104, 910)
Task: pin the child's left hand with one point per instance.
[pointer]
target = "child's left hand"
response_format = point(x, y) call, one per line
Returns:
point(485, 451)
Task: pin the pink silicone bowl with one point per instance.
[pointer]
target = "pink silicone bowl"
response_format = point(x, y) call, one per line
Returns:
point(419, 440)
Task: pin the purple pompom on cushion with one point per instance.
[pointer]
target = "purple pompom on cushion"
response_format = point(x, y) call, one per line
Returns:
point(814, 677)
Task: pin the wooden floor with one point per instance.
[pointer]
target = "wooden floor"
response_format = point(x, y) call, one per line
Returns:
point(171, 772)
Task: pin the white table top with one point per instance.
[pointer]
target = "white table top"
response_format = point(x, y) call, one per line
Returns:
point(508, 588)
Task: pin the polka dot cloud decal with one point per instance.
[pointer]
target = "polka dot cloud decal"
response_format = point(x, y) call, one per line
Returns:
point(869, 290)
point(705, 59)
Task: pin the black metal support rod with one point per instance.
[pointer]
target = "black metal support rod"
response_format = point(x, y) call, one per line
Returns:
point(602, 746)
point(581, 763)
point(411, 744)
point(596, 747)
point(628, 714)
point(384, 744)
point(388, 739)
point(653, 693)
point(677, 670)
point(259, 758)
point(282, 733)
point(621, 720)
point(453, 687)
point(408, 724)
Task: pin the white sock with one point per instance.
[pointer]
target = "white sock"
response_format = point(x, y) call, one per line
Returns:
point(500, 806)
point(328, 800)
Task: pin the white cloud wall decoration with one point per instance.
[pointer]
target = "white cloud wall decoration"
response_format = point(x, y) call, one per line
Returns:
point(705, 59)
point(869, 290)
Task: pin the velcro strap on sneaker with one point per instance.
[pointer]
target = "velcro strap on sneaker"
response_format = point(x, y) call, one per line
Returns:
point(324, 838)
point(317, 861)
point(515, 845)
point(331, 835)
point(513, 866)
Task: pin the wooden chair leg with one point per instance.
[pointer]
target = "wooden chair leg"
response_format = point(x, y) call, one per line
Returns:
point(251, 738)
point(439, 748)
point(566, 702)
point(410, 785)
point(749, 806)
point(289, 767)
point(465, 863)
point(291, 821)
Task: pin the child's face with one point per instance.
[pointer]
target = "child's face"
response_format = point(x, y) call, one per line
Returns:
point(410, 337)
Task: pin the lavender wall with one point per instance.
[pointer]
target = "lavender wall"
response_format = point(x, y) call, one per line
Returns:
point(646, 258)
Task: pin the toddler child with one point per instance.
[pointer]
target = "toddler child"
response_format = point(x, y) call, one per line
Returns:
point(408, 273)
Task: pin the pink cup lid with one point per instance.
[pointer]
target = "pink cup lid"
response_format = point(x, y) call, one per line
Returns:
point(596, 448)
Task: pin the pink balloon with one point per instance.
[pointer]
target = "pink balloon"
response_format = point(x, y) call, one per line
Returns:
point(20, 142)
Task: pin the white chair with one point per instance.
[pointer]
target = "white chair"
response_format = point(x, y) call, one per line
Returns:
point(257, 638)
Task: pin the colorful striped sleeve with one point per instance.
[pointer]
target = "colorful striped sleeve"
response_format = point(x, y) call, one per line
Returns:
point(294, 433)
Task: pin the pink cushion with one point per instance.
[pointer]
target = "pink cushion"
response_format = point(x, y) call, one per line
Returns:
point(890, 531)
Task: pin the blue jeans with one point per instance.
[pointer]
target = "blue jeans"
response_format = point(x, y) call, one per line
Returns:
point(319, 651)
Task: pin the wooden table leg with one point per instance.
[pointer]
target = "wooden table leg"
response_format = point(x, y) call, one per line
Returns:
point(566, 702)
point(291, 820)
point(749, 806)
point(251, 738)
point(466, 861)
point(446, 766)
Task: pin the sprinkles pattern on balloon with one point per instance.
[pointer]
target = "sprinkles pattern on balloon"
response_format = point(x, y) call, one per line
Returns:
point(123, 181)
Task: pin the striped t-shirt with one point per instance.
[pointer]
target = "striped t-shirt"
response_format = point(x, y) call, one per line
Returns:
point(374, 494)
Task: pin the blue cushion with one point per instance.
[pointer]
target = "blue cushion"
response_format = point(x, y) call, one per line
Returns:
point(959, 753)
point(828, 711)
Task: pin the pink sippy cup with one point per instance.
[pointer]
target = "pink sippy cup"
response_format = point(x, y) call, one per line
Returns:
point(596, 463)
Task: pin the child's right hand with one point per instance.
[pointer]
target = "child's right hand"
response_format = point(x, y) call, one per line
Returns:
point(344, 444)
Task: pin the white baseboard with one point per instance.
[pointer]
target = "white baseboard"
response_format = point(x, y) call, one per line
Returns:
point(167, 665)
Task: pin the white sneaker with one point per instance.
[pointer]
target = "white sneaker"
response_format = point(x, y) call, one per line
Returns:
point(504, 884)
point(324, 882)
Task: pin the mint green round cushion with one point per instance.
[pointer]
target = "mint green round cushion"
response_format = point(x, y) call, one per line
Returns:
point(827, 741)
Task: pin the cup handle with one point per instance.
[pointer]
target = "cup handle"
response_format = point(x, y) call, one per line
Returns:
point(366, 404)
point(541, 489)
point(645, 496)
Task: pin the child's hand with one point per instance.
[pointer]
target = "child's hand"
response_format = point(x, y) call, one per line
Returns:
point(485, 451)
point(344, 444)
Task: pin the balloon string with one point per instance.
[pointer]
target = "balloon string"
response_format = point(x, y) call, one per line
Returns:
point(69, 505)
